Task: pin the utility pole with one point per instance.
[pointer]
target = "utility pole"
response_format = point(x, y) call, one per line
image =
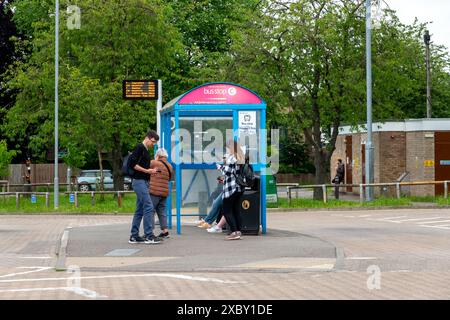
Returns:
point(369, 146)
point(426, 39)
point(56, 182)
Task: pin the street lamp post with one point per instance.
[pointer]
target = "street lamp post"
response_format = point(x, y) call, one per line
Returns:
point(369, 146)
point(426, 39)
point(56, 181)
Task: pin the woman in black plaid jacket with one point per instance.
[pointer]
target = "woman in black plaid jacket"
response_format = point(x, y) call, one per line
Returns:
point(231, 190)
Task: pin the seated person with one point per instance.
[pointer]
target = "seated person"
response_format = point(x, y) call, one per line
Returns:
point(215, 209)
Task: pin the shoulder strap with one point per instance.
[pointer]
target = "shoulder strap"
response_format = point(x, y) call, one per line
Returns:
point(167, 167)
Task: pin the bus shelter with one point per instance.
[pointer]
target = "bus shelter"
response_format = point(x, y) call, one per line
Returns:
point(195, 127)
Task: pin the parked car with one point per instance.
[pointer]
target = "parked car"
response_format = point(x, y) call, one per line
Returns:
point(89, 179)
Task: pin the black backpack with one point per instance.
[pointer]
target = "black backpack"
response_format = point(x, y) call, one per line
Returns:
point(126, 169)
point(246, 177)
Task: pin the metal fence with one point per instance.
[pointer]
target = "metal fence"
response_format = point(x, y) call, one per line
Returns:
point(93, 193)
point(362, 186)
point(18, 196)
point(290, 187)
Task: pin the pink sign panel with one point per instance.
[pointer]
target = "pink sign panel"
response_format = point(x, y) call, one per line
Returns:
point(220, 93)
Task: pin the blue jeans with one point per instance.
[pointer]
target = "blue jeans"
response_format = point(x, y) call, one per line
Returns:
point(144, 208)
point(160, 208)
point(215, 209)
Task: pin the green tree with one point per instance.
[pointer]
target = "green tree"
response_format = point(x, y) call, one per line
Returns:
point(206, 27)
point(5, 158)
point(307, 57)
point(117, 40)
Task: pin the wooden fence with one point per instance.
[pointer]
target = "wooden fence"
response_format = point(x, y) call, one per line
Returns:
point(40, 173)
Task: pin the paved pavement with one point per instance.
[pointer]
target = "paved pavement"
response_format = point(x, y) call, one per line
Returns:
point(98, 247)
point(382, 254)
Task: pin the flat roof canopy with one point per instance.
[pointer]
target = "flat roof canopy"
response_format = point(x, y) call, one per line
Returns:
point(407, 125)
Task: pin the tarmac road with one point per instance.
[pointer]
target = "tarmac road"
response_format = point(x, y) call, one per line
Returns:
point(366, 254)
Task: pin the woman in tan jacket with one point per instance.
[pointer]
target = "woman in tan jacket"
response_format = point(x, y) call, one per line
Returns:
point(159, 188)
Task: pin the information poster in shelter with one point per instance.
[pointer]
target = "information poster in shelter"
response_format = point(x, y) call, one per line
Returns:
point(247, 122)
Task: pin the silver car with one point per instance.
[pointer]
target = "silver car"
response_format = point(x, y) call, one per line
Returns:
point(89, 179)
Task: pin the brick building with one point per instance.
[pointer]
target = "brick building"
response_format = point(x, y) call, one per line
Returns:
point(409, 150)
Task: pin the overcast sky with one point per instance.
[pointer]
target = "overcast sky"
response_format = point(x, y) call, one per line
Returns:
point(437, 11)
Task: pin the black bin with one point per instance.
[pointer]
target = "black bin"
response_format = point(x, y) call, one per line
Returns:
point(249, 210)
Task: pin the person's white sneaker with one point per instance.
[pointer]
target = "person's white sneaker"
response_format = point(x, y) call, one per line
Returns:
point(214, 230)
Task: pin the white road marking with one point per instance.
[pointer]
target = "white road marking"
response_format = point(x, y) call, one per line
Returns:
point(430, 222)
point(386, 219)
point(163, 275)
point(80, 291)
point(20, 257)
point(38, 269)
point(444, 226)
point(361, 258)
point(418, 219)
point(365, 216)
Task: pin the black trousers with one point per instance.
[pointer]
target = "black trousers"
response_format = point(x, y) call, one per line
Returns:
point(231, 211)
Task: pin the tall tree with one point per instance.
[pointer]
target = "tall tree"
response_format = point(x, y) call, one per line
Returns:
point(117, 40)
point(307, 57)
point(7, 56)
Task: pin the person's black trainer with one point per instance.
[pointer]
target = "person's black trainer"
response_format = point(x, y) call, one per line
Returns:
point(164, 235)
point(152, 239)
point(135, 240)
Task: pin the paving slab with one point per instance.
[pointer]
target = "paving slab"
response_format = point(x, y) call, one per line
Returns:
point(107, 247)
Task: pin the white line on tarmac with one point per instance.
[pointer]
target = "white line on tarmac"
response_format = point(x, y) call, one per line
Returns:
point(430, 222)
point(389, 218)
point(19, 257)
point(444, 226)
point(361, 258)
point(418, 219)
point(38, 269)
point(80, 291)
point(163, 275)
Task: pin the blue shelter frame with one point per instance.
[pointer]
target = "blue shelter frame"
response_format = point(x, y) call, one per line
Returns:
point(174, 111)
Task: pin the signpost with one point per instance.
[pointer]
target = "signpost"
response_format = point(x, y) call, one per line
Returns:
point(145, 90)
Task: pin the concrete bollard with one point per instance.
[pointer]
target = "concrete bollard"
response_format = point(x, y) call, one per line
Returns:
point(361, 194)
point(17, 200)
point(324, 191)
point(446, 189)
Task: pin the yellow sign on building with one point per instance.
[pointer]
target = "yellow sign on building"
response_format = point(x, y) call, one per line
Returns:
point(428, 163)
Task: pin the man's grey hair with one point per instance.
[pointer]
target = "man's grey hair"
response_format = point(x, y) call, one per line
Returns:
point(161, 152)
